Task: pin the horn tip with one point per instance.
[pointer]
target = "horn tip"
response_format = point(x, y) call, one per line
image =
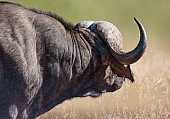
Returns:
point(136, 20)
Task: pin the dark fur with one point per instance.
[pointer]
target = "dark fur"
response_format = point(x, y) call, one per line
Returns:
point(44, 61)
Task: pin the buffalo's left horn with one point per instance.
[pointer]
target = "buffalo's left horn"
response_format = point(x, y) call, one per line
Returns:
point(83, 24)
point(123, 57)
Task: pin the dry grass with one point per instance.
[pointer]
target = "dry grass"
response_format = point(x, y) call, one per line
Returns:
point(147, 98)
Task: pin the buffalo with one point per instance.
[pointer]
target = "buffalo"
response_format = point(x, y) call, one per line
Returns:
point(45, 60)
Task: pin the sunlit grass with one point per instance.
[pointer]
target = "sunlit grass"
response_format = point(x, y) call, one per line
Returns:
point(147, 98)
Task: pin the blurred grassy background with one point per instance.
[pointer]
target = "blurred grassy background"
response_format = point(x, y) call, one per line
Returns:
point(154, 15)
point(149, 96)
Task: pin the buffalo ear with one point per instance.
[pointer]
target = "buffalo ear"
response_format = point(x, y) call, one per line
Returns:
point(121, 70)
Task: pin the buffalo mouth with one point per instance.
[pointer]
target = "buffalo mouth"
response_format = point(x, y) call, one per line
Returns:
point(90, 91)
point(93, 93)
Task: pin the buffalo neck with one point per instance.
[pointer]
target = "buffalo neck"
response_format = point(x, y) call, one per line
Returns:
point(64, 64)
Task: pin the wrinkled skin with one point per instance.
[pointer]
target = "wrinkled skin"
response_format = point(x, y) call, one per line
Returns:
point(44, 61)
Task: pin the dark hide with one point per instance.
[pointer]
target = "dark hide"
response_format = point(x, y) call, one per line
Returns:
point(44, 61)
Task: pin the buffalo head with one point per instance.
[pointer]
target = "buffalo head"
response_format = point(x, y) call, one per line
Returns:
point(112, 55)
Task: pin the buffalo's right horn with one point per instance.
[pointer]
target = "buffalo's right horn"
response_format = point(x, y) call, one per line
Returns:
point(109, 33)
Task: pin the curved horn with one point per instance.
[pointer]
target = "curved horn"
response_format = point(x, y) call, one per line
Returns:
point(124, 57)
point(135, 55)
